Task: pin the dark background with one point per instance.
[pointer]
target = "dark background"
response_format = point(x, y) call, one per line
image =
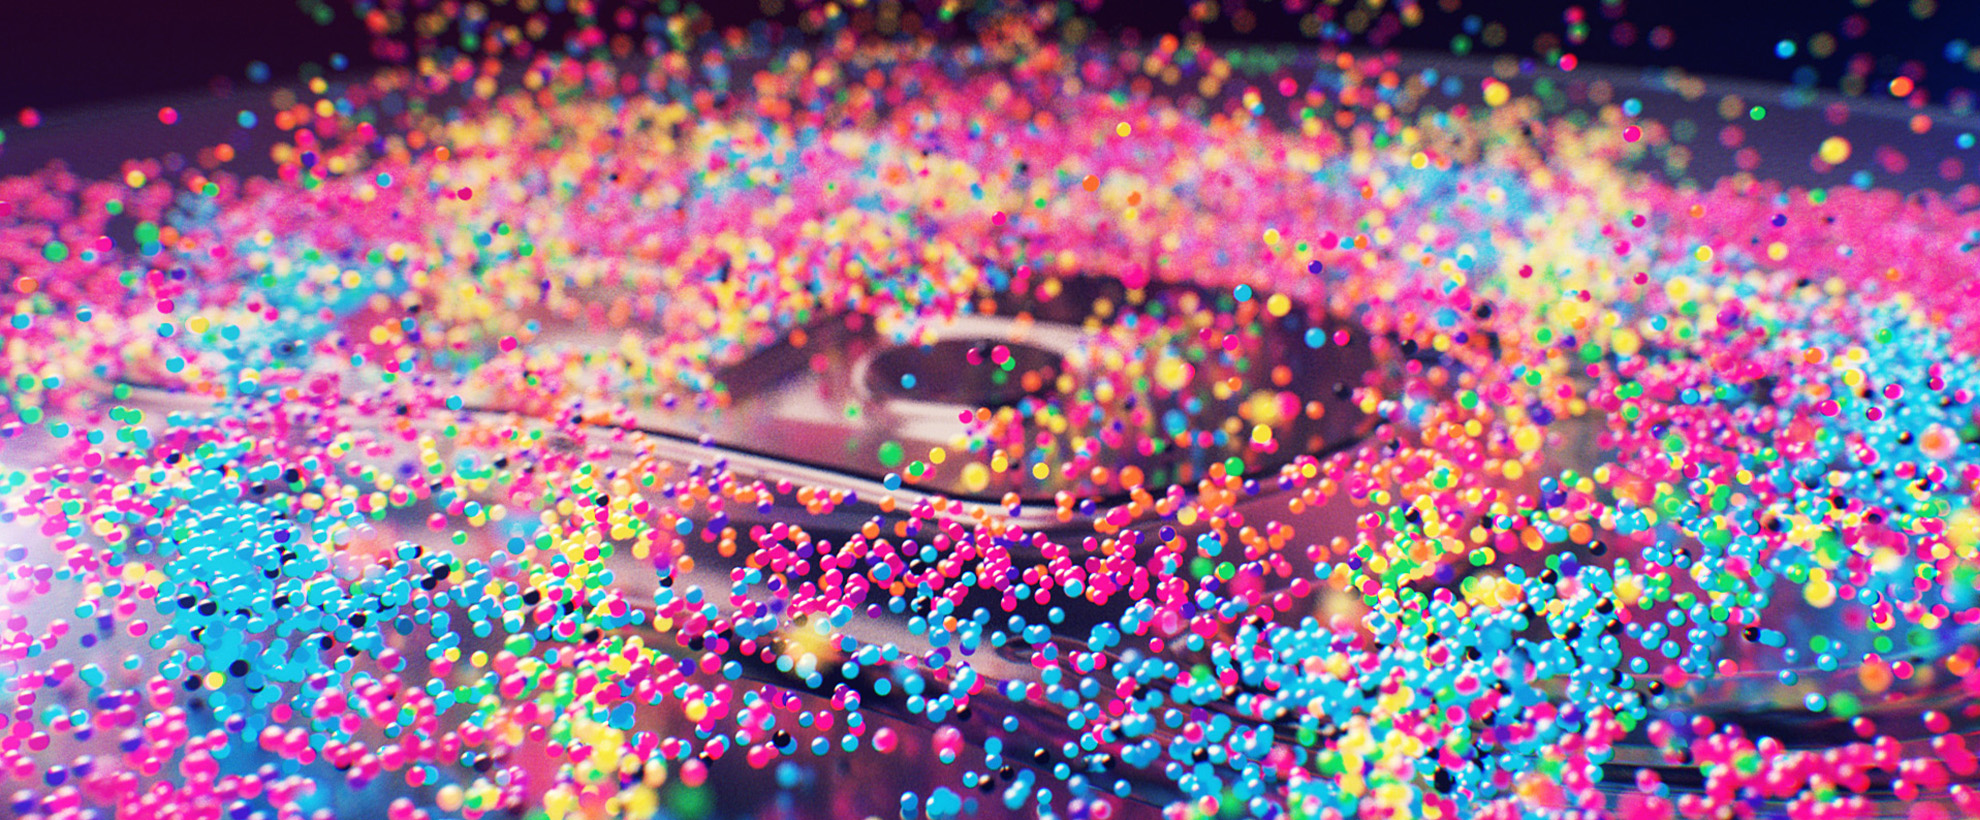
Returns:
point(64, 53)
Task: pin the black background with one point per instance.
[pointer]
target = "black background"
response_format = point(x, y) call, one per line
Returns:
point(55, 54)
